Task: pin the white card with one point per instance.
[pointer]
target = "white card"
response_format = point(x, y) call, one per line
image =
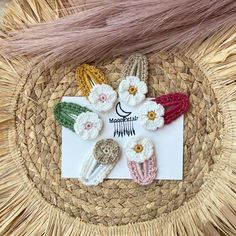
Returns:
point(168, 142)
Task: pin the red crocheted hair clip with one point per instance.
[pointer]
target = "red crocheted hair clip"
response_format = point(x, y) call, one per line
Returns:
point(163, 110)
point(175, 104)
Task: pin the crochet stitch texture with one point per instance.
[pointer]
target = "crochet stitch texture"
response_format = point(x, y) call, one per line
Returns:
point(175, 105)
point(136, 65)
point(87, 76)
point(107, 151)
point(66, 113)
point(133, 87)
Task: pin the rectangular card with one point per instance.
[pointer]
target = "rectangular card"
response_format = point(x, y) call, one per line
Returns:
point(168, 143)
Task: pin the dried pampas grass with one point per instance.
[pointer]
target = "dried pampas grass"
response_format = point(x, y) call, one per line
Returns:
point(108, 29)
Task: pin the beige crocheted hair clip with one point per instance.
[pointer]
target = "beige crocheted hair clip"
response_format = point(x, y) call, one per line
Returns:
point(136, 65)
point(133, 87)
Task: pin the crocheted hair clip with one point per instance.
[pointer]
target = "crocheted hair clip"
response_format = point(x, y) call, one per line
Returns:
point(162, 110)
point(141, 160)
point(78, 119)
point(99, 163)
point(133, 88)
point(95, 86)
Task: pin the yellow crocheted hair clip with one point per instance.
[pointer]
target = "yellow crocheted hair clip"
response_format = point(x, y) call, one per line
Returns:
point(95, 86)
point(87, 76)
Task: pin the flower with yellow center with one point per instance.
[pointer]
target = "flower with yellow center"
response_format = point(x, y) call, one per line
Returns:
point(151, 115)
point(132, 90)
point(139, 149)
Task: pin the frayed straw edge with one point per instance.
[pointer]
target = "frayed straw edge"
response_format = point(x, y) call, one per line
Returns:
point(23, 211)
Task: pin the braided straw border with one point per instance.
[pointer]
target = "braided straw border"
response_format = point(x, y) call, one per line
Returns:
point(212, 211)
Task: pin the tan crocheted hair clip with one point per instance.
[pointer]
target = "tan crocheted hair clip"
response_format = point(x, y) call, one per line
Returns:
point(136, 65)
point(95, 86)
point(99, 163)
point(133, 88)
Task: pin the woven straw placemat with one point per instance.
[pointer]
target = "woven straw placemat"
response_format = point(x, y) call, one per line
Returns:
point(35, 200)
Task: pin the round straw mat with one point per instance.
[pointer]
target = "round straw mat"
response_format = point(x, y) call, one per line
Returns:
point(116, 202)
point(165, 207)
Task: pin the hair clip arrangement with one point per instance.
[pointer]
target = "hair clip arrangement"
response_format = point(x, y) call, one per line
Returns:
point(141, 160)
point(153, 114)
point(94, 85)
point(162, 110)
point(78, 119)
point(132, 89)
point(100, 162)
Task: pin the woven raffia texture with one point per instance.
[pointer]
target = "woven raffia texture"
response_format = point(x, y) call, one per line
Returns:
point(35, 200)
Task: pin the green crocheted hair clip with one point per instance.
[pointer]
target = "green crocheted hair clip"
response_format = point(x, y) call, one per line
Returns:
point(78, 119)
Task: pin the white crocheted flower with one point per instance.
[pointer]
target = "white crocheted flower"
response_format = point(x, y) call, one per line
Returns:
point(132, 90)
point(102, 97)
point(151, 115)
point(88, 125)
point(139, 149)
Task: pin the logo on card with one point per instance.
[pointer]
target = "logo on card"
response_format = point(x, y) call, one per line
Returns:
point(123, 126)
